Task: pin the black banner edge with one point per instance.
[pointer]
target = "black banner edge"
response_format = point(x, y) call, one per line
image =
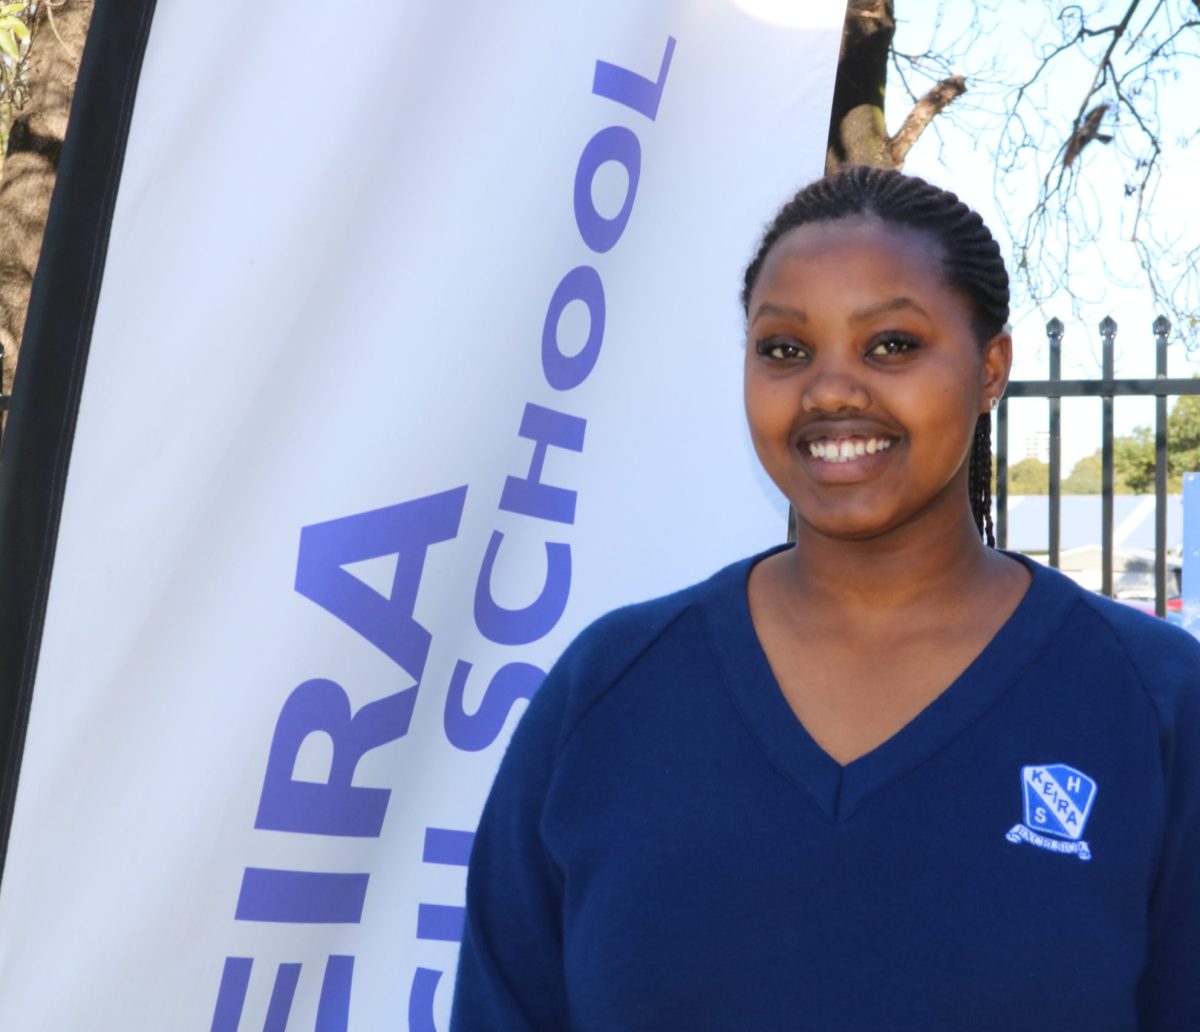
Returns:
point(36, 450)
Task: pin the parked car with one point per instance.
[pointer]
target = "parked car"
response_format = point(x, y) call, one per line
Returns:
point(1133, 577)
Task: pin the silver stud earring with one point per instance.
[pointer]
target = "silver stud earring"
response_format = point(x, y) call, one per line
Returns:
point(994, 402)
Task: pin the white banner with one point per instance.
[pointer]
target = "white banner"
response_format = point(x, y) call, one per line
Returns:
point(418, 347)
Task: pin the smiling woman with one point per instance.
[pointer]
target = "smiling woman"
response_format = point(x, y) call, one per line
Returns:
point(846, 784)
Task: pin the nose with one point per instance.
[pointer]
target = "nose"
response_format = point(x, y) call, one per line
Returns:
point(834, 390)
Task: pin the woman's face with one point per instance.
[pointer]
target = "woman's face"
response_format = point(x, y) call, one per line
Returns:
point(864, 379)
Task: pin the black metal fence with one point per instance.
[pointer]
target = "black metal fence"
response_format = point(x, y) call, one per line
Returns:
point(1107, 387)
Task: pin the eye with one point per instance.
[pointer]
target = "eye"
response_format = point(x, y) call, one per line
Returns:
point(893, 344)
point(780, 349)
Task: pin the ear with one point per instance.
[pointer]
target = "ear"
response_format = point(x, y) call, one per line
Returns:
point(997, 362)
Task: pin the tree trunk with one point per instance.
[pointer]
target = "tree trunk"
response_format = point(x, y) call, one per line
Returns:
point(34, 144)
point(857, 128)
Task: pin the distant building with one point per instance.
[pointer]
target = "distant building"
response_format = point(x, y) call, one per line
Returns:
point(1037, 446)
point(1081, 519)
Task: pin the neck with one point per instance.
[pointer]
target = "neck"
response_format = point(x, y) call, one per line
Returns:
point(939, 557)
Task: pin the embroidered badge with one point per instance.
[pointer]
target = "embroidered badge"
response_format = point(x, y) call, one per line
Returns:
point(1058, 800)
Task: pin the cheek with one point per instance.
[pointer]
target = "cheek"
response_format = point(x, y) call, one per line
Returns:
point(947, 396)
point(947, 415)
point(770, 406)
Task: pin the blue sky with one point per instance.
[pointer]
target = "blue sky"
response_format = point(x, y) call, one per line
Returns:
point(1107, 280)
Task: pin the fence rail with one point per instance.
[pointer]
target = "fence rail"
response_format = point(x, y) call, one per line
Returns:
point(1106, 387)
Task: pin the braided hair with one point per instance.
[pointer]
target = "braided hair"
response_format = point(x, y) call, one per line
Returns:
point(971, 264)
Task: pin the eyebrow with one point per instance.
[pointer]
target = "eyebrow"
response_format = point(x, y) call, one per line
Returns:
point(887, 306)
point(766, 308)
point(860, 315)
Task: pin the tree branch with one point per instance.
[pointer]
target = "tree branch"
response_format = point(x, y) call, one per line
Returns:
point(1104, 67)
point(937, 99)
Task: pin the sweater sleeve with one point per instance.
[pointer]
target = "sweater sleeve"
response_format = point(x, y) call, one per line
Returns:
point(510, 973)
point(1170, 990)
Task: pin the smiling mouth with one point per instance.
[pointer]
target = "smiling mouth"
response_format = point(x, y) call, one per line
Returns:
point(847, 449)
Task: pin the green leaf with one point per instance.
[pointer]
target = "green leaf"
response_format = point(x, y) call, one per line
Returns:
point(8, 46)
point(20, 8)
point(14, 27)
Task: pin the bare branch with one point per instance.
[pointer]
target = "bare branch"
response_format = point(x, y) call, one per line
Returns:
point(1090, 75)
point(934, 102)
point(1130, 66)
point(1103, 69)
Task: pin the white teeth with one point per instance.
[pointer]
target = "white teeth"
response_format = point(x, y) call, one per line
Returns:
point(847, 449)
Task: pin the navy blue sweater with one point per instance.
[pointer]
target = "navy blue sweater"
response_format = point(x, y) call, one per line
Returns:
point(665, 846)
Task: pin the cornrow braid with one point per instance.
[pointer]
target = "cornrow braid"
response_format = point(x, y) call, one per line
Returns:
point(971, 264)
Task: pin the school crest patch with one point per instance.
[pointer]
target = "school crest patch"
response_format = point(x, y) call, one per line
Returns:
point(1058, 800)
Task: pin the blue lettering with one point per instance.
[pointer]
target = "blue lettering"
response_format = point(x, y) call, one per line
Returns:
point(634, 91)
point(439, 922)
point(448, 846)
point(582, 283)
point(405, 530)
point(282, 994)
point(616, 143)
point(474, 731)
point(333, 1008)
point(421, 1000)
point(442, 846)
point(301, 897)
point(337, 806)
point(529, 496)
point(231, 994)
point(534, 621)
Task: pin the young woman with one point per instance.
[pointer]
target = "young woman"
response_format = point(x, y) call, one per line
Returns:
point(887, 779)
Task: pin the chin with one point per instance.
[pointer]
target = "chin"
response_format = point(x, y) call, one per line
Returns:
point(847, 526)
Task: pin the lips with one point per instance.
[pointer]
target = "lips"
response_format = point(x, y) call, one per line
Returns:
point(846, 450)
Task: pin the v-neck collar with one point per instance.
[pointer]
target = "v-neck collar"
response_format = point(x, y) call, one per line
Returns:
point(839, 790)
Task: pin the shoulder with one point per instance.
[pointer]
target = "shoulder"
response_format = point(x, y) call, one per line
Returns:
point(1164, 659)
point(614, 646)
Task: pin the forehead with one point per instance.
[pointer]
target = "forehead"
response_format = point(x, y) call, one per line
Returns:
point(861, 251)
